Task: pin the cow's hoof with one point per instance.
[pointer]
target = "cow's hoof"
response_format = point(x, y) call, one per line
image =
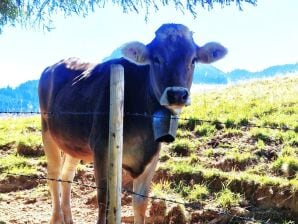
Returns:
point(57, 218)
point(67, 216)
point(68, 220)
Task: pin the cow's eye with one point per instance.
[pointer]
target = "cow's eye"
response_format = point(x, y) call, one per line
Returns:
point(156, 60)
point(194, 60)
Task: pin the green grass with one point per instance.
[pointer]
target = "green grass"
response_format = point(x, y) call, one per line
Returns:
point(268, 157)
point(182, 147)
point(263, 135)
point(288, 222)
point(13, 129)
point(184, 168)
point(289, 151)
point(15, 164)
point(208, 152)
point(165, 189)
point(238, 156)
point(260, 144)
point(30, 145)
point(250, 102)
point(232, 132)
point(198, 192)
point(184, 134)
point(226, 198)
point(286, 164)
point(21, 137)
point(204, 130)
point(180, 191)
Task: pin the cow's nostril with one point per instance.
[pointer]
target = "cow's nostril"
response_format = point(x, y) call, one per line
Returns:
point(185, 95)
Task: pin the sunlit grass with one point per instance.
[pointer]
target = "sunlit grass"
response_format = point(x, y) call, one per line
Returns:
point(204, 130)
point(30, 144)
point(238, 156)
point(15, 164)
point(180, 191)
point(226, 198)
point(209, 174)
point(198, 192)
point(286, 164)
point(263, 103)
point(12, 129)
point(208, 152)
point(182, 147)
point(269, 157)
point(165, 189)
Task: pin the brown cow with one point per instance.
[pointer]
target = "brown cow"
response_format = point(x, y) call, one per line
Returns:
point(74, 102)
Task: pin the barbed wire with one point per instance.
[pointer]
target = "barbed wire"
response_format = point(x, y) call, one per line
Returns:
point(244, 124)
point(217, 122)
point(188, 206)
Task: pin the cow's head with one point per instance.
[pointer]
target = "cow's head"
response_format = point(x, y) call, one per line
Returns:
point(172, 56)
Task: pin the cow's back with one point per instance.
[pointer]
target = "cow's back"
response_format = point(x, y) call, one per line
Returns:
point(55, 77)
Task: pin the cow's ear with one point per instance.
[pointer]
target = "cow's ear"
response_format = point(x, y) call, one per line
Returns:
point(136, 53)
point(211, 52)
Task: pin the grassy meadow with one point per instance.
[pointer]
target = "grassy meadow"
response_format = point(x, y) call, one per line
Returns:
point(224, 169)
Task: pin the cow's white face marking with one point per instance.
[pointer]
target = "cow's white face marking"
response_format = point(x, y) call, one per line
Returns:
point(175, 109)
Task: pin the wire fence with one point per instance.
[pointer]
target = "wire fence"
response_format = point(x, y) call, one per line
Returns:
point(242, 124)
point(190, 207)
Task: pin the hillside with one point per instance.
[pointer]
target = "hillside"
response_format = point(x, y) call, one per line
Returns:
point(278, 70)
point(223, 168)
point(24, 97)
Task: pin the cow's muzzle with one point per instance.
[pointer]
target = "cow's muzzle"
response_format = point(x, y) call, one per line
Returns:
point(175, 97)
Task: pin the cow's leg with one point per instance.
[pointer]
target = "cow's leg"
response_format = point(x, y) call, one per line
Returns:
point(54, 161)
point(141, 185)
point(100, 169)
point(68, 172)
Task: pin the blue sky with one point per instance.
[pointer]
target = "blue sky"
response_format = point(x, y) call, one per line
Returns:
point(256, 38)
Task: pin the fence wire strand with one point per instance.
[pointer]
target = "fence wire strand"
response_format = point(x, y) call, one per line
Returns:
point(147, 115)
point(190, 207)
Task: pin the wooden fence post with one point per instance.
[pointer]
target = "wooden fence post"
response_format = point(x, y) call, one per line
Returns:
point(115, 144)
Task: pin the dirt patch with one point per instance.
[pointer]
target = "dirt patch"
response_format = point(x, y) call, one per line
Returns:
point(17, 183)
point(229, 164)
point(176, 215)
point(158, 209)
point(32, 129)
point(26, 150)
point(7, 146)
point(16, 209)
point(209, 216)
point(31, 208)
point(269, 153)
point(258, 196)
point(273, 197)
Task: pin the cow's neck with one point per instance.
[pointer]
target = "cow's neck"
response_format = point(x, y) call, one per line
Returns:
point(138, 95)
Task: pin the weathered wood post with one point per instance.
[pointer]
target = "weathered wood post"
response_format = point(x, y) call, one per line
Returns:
point(115, 144)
